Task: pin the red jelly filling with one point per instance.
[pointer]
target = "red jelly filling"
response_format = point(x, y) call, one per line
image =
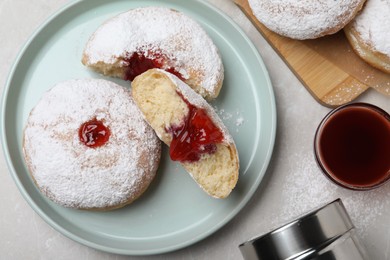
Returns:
point(138, 63)
point(198, 135)
point(94, 133)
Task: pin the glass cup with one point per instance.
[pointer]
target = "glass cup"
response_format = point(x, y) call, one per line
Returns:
point(352, 146)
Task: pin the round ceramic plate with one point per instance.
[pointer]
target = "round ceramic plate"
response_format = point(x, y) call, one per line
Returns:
point(174, 212)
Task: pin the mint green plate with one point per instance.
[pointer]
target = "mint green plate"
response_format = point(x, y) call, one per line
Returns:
point(174, 212)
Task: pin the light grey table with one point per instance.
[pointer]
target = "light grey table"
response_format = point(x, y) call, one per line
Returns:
point(293, 183)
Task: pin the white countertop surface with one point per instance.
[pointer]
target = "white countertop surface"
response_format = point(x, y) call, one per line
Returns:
point(293, 184)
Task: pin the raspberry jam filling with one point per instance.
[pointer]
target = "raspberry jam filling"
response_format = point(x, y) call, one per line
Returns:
point(94, 133)
point(138, 63)
point(198, 135)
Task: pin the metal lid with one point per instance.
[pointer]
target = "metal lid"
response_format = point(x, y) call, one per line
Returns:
point(302, 235)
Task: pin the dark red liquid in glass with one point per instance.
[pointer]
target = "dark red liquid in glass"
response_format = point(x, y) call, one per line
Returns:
point(198, 135)
point(354, 146)
point(94, 133)
point(138, 63)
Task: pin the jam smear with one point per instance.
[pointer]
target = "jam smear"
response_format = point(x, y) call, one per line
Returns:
point(94, 133)
point(355, 146)
point(198, 135)
point(138, 63)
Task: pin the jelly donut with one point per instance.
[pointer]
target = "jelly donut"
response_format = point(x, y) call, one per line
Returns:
point(156, 37)
point(305, 19)
point(369, 34)
point(87, 146)
point(184, 121)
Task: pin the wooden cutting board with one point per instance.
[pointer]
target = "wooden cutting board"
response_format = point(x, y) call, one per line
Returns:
point(327, 67)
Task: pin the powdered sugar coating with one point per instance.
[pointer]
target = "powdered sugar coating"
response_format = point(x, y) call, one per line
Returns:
point(305, 19)
point(74, 175)
point(373, 25)
point(159, 30)
point(195, 99)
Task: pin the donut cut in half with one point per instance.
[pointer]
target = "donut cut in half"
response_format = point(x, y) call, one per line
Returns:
point(184, 121)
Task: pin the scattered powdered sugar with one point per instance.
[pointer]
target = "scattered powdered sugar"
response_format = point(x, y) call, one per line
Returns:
point(226, 116)
point(306, 188)
point(373, 25)
point(158, 30)
point(223, 114)
point(74, 175)
point(239, 121)
point(305, 19)
point(365, 208)
point(342, 95)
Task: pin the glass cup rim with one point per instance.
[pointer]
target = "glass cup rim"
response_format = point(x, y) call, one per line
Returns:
point(317, 137)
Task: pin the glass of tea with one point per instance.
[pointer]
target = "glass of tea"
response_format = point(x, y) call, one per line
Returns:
point(352, 146)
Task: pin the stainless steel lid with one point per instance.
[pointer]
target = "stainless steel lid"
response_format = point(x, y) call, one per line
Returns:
point(302, 235)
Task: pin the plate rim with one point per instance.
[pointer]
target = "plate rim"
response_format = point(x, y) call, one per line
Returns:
point(227, 218)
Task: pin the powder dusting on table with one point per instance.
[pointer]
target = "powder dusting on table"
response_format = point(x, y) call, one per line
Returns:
point(307, 189)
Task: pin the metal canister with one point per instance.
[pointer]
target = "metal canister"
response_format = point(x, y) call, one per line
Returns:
point(326, 233)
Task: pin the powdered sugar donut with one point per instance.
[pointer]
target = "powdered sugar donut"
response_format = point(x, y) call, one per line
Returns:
point(369, 34)
point(305, 19)
point(156, 37)
point(87, 146)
